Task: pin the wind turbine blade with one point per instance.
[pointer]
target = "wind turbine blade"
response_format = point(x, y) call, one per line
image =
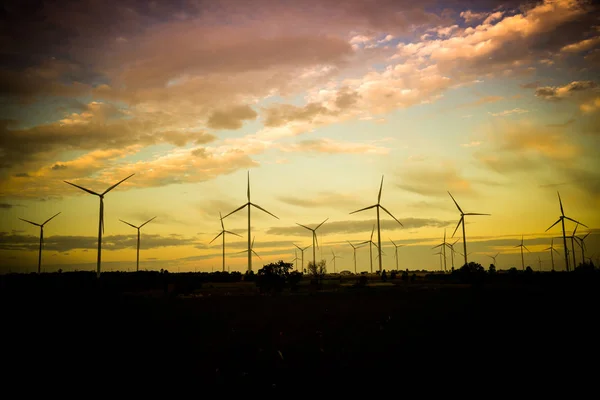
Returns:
point(236, 210)
point(556, 251)
point(221, 219)
point(390, 214)
point(82, 188)
point(252, 245)
point(363, 209)
point(459, 221)
point(116, 184)
point(380, 188)
point(306, 247)
point(372, 231)
point(439, 245)
point(575, 230)
point(393, 242)
point(586, 235)
point(457, 206)
point(476, 214)
point(365, 242)
point(125, 222)
point(262, 209)
point(496, 255)
point(256, 254)
point(32, 223)
point(306, 227)
point(562, 212)
point(48, 220)
point(525, 247)
point(297, 247)
point(577, 222)
point(232, 233)
point(351, 244)
point(147, 221)
point(553, 225)
point(316, 238)
point(318, 226)
point(216, 237)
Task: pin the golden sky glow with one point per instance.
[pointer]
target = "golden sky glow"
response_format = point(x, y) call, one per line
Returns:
point(498, 104)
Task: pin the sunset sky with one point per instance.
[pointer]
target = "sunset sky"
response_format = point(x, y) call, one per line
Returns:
point(495, 101)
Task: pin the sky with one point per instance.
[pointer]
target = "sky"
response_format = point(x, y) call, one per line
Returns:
point(496, 102)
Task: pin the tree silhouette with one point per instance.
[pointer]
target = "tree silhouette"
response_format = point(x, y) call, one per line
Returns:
point(272, 277)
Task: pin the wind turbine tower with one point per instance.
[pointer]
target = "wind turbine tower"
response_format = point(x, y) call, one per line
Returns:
point(101, 217)
point(41, 238)
point(522, 259)
point(302, 253)
point(137, 262)
point(552, 249)
point(249, 204)
point(378, 206)
point(462, 221)
point(314, 236)
point(223, 232)
point(561, 219)
point(396, 252)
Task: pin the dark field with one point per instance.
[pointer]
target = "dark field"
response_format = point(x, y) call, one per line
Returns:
point(341, 338)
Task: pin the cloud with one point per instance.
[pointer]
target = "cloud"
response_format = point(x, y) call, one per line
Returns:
point(584, 45)
point(434, 180)
point(6, 206)
point(331, 146)
point(509, 112)
point(232, 118)
point(112, 242)
point(470, 16)
point(284, 113)
point(561, 92)
point(473, 143)
point(364, 226)
point(590, 106)
point(321, 200)
point(530, 85)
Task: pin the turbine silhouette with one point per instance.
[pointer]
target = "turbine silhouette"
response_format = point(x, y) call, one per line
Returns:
point(249, 204)
point(354, 253)
point(396, 252)
point(137, 262)
point(552, 249)
point(101, 217)
point(371, 243)
point(314, 236)
point(561, 219)
point(462, 221)
point(522, 259)
point(41, 238)
point(302, 252)
point(223, 232)
point(378, 206)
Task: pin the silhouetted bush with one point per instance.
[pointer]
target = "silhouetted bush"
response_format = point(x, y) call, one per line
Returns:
point(405, 276)
point(492, 269)
point(393, 274)
point(272, 277)
point(470, 273)
point(384, 276)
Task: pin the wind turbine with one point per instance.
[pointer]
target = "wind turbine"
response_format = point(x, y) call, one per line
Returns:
point(494, 258)
point(581, 242)
point(41, 238)
point(551, 248)
point(371, 243)
point(302, 252)
point(354, 252)
point(251, 249)
point(396, 252)
point(296, 258)
point(540, 262)
point(249, 203)
point(462, 221)
point(101, 217)
point(137, 263)
point(561, 219)
point(223, 232)
point(314, 236)
point(333, 259)
point(378, 206)
point(452, 251)
point(443, 246)
point(522, 259)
